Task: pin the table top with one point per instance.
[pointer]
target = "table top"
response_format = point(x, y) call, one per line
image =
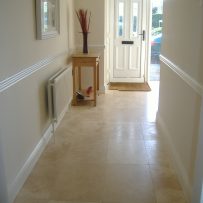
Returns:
point(88, 55)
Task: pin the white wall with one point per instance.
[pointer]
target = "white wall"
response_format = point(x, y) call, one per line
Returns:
point(96, 35)
point(183, 29)
point(3, 188)
point(181, 84)
point(18, 37)
point(23, 104)
point(198, 179)
point(71, 25)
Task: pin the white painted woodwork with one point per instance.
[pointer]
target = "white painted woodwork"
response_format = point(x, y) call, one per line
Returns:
point(128, 59)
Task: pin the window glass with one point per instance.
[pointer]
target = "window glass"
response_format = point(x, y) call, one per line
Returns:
point(120, 19)
point(134, 19)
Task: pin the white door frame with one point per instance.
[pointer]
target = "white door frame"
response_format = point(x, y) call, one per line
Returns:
point(146, 51)
point(197, 192)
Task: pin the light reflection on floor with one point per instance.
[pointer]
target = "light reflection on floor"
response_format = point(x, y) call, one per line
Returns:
point(111, 153)
point(152, 101)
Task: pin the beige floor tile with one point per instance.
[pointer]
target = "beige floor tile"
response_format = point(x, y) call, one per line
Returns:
point(159, 159)
point(79, 182)
point(55, 152)
point(54, 201)
point(164, 178)
point(150, 131)
point(170, 196)
point(111, 153)
point(82, 127)
point(150, 200)
point(126, 152)
point(22, 199)
point(156, 145)
point(131, 130)
point(91, 152)
point(125, 115)
point(128, 183)
point(41, 181)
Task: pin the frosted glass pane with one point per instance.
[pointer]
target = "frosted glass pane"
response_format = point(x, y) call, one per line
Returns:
point(120, 18)
point(134, 19)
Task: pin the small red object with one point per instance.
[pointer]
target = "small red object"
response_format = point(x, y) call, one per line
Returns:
point(89, 90)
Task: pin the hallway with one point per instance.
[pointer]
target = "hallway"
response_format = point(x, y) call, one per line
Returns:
point(112, 153)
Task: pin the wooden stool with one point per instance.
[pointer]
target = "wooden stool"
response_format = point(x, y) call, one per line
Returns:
point(90, 61)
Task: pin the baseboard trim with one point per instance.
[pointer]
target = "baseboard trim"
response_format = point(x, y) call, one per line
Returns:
point(185, 77)
point(176, 161)
point(106, 86)
point(29, 165)
point(102, 89)
point(63, 114)
point(12, 80)
point(33, 158)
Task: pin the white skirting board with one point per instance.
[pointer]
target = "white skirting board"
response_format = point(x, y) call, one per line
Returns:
point(29, 165)
point(35, 155)
point(176, 161)
point(102, 89)
point(33, 158)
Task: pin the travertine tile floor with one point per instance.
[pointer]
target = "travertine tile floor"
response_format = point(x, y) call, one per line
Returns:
point(112, 153)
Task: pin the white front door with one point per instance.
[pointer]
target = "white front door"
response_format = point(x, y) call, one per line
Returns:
point(129, 42)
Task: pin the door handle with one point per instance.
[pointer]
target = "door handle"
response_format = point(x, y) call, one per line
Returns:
point(143, 35)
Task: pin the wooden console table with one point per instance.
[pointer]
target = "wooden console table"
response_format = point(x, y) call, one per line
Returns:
point(90, 60)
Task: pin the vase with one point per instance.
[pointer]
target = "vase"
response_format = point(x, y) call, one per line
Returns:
point(85, 43)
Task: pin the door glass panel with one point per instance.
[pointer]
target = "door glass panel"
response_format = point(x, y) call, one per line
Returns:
point(134, 19)
point(120, 19)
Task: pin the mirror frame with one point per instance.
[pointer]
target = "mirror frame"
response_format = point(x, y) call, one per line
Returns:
point(48, 30)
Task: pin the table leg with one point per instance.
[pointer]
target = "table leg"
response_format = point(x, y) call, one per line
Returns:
point(98, 76)
point(79, 77)
point(74, 87)
point(95, 84)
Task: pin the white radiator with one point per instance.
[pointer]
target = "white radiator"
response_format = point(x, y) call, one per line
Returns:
point(59, 93)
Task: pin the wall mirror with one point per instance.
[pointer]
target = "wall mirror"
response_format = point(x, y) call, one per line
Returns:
point(47, 17)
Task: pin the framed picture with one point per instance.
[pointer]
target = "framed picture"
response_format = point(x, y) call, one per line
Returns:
point(47, 17)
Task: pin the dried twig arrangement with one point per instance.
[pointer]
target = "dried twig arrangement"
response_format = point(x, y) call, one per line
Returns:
point(84, 20)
